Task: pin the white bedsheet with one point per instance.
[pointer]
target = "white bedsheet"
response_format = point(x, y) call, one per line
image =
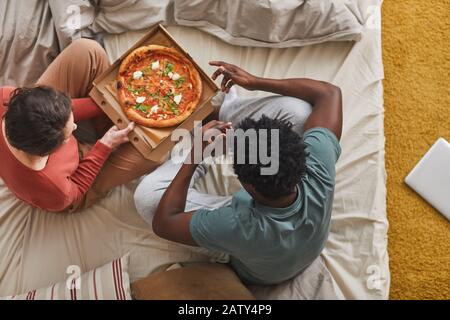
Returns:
point(36, 247)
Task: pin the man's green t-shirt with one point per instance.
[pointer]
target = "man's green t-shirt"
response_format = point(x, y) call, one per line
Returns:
point(269, 245)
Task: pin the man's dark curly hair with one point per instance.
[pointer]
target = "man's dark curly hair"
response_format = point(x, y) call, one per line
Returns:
point(292, 156)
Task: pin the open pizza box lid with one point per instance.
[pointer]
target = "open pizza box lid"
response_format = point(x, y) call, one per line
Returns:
point(152, 143)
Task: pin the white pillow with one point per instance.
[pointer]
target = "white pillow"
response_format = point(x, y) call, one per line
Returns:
point(72, 18)
point(263, 23)
point(109, 282)
point(117, 16)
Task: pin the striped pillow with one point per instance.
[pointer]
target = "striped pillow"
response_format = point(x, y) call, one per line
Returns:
point(110, 282)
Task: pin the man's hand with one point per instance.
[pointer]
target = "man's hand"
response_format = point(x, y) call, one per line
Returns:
point(115, 137)
point(233, 75)
point(213, 137)
point(214, 131)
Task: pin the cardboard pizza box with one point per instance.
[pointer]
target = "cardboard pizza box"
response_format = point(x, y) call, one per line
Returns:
point(152, 143)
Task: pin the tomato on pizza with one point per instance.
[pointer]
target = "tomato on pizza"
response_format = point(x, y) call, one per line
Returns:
point(158, 87)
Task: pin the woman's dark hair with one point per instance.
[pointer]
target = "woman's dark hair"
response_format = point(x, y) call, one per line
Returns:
point(35, 119)
point(292, 156)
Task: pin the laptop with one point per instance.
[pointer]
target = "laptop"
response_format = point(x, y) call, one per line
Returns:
point(430, 178)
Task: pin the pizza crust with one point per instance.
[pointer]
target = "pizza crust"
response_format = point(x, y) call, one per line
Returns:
point(151, 123)
point(126, 103)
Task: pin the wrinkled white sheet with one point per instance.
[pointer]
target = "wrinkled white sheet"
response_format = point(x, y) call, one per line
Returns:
point(28, 41)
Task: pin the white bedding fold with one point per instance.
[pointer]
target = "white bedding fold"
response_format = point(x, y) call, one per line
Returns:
point(264, 23)
point(272, 23)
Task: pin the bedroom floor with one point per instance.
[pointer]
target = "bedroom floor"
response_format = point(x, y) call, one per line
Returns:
point(416, 45)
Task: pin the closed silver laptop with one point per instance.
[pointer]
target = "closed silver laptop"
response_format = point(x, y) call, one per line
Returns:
point(430, 178)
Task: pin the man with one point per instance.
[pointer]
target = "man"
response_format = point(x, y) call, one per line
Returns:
point(277, 224)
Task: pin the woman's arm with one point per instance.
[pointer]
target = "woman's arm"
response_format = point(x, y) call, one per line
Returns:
point(85, 108)
point(83, 177)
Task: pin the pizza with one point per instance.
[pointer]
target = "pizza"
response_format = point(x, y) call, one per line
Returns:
point(158, 86)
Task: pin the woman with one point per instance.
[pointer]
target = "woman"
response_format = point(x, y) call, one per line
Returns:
point(39, 156)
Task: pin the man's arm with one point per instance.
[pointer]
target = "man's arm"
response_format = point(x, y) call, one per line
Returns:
point(171, 222)
point(325, 98)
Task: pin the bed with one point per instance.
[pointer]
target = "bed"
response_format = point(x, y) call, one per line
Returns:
point(37, 247)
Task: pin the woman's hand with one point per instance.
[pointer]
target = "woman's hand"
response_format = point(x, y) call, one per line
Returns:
point(115, 137)
point(233, 75)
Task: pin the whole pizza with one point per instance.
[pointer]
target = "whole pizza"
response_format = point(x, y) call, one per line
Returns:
point(158, 86)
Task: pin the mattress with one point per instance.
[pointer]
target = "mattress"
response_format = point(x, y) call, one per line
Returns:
point(37, 247)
